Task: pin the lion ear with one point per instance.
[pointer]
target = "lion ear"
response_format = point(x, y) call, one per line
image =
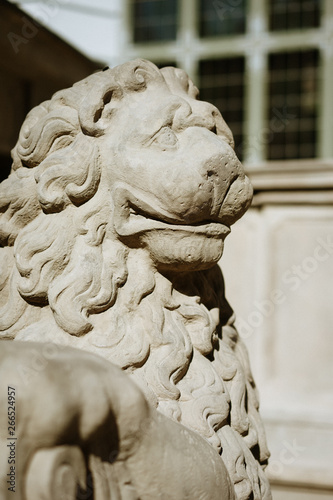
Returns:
point(97, 107)
point(107, 89)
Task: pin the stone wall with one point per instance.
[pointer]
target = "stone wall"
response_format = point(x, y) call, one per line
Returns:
point(278, 266)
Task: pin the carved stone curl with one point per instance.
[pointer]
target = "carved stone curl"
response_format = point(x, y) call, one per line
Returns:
point(55, 473)
point(122, 192)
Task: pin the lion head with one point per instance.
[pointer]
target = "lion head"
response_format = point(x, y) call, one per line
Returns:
point(122, 191)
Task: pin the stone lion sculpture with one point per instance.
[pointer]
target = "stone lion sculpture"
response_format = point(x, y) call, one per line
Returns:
point(122, 191)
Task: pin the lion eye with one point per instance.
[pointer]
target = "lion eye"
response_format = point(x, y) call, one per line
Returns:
point(166, 138)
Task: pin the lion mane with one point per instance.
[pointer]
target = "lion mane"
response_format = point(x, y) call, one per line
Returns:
point(67, 278)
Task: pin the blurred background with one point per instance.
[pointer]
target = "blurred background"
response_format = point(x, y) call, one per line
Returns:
point(268, 66)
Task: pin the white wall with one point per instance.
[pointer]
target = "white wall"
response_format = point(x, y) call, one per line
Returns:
point(94, 28)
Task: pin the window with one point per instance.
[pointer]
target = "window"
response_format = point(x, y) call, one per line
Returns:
point(222, 84)
point(294, 14)
point(154, 20)
point(265, 64)
point(293, 94)
point(222, 17)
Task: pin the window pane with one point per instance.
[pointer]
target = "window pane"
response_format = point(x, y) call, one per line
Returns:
point(222, 84)
point(222, 17)
point(154, 20)
point(293, 105)
point(294, 14)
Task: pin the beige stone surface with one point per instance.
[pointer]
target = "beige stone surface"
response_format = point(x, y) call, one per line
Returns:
point(122, 192)
point(286, 323)
point(299, 493)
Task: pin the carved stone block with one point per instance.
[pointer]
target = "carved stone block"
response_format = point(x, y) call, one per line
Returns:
point(122, 191)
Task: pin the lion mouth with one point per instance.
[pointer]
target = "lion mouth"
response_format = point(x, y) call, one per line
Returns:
point(214, 229)
point(138, 214)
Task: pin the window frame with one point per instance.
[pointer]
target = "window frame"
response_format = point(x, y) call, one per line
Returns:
point(256, 45)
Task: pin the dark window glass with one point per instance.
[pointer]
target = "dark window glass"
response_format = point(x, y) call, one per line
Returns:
point(5, 164)
point(154, 20)
point(164, 64)
point(222, 84)
point(294, 14)
point(293, 93)
point(222, 17)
